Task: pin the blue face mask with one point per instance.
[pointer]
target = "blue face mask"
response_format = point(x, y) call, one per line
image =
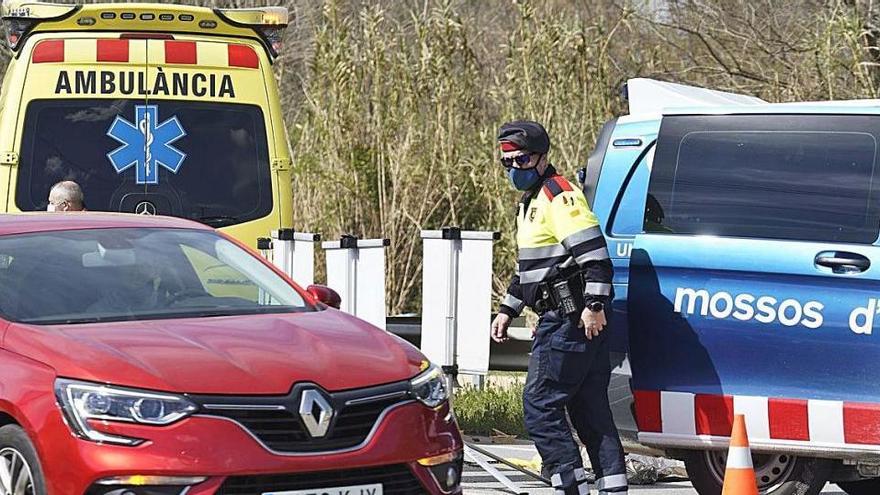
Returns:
point(523, 179)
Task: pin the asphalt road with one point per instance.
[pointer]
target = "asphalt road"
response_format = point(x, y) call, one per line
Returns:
point(478, 482)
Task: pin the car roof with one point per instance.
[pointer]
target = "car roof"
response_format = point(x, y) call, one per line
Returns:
point(21, 223)
point(840, 107)
point(650, 100)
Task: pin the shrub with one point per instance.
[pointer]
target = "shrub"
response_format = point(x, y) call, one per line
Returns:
point(490, 410)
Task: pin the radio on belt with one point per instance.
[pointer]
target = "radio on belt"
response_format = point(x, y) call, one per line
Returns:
point(564, 298)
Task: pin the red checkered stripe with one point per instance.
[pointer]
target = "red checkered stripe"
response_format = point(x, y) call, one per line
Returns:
point(109, 50)
point(768, 419)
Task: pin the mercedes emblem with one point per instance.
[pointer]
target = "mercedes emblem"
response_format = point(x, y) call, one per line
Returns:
point(145, 208)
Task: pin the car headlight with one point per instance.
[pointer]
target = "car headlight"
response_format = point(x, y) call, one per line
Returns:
point(429, 387)
point(83, 401)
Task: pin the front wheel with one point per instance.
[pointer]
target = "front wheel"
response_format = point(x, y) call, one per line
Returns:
point(777, 474)
point(19, 464)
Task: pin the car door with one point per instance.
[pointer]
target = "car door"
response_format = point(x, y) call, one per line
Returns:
point(754, 289)
point(617, 196)
point(616, 181)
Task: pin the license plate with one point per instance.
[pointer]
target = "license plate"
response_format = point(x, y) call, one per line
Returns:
point(374, 489)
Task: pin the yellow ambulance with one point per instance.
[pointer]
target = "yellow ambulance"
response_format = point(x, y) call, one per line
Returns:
point(150, 108)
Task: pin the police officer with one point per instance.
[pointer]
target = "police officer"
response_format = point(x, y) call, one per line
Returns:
point(565, 276)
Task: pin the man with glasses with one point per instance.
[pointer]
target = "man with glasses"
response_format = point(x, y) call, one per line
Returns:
point(66, 196)
point(564, 275)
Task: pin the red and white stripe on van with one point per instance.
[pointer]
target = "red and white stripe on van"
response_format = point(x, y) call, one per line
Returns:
point(679, 419)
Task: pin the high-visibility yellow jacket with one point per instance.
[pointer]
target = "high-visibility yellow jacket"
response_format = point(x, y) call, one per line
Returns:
point(555, 228)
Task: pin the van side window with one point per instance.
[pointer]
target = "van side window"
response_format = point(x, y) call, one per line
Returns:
point(797, 177)
point(628, 220)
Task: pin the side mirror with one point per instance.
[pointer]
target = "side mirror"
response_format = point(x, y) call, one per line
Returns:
point(325, 295)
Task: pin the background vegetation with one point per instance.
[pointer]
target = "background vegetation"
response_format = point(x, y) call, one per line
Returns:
point(493, 410)
point(392, 106)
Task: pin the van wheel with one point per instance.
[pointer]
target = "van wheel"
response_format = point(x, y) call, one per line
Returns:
point(862, 487)
point(19, 465)
point(777, 474)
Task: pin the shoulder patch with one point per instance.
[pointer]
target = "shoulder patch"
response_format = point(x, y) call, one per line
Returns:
point(554, 186)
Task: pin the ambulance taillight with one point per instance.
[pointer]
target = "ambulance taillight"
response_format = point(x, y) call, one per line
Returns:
point(20, 18)
point(15, 30)
point(268, 22)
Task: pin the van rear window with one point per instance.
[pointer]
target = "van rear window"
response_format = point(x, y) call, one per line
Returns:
point(204, 161)
point(791, 177)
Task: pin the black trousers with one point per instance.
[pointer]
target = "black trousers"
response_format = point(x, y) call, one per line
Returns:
point(568, 373)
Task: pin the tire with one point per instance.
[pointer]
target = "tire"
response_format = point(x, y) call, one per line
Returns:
point(777, 474)
point(863, 487)
point(17, 452)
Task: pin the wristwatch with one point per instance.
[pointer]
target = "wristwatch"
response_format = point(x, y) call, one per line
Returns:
point(596, 306)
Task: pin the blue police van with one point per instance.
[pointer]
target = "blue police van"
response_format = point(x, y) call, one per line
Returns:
point(747, 272)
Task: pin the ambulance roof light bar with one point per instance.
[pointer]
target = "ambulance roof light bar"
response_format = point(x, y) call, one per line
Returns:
point(19, 18)
point(268, 22)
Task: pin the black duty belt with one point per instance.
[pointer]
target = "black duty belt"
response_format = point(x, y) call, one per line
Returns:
point(564, 293)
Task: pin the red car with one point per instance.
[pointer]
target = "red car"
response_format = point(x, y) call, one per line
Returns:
point(154, 356)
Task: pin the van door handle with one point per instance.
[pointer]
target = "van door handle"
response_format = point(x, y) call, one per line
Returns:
point(841, 262)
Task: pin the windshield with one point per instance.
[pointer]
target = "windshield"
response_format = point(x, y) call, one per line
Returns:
point(83, 276)
point(204, 161)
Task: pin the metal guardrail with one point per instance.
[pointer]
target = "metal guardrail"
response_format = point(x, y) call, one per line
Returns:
point(510, 356)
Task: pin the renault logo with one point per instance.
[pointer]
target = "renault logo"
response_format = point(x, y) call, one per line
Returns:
point(315, 412)
point(145, 208)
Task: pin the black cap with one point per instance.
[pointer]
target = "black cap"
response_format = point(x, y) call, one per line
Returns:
point(527, 135)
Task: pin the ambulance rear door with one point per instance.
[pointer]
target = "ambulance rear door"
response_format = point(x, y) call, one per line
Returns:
point(150, 124)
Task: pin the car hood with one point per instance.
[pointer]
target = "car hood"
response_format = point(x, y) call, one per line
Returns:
point(254, 354)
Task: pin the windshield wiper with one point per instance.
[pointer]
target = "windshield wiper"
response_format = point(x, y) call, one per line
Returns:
point(217, 220)
point(61, 320)
point(194, 312)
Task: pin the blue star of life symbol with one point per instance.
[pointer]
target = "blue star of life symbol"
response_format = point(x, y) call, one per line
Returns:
point(146, 145)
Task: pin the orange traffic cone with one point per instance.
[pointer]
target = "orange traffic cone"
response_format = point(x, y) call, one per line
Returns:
point(739, 477)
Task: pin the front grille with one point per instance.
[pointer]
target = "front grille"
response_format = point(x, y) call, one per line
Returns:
point(273, 428)
point(284, 431)
point(276, 421)
point(395, 480)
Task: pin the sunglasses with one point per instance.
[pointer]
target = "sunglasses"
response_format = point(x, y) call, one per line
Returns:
point(519, 160)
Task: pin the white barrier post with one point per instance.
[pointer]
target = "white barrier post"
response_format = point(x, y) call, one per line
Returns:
point(456, 308)
point(294, 253)
point(341, 276)
point(264, 246)
point(457, 299)
point(440, 250)
point(356, 270)
point(370, 287)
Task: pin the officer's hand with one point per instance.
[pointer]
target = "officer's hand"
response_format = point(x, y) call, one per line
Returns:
point(499, 327)
point(593, 323)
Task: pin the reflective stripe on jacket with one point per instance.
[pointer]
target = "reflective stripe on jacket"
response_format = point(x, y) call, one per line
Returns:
point(556, 227)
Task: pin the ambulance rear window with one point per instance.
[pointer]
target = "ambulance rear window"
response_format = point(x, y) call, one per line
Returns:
point(204, 161)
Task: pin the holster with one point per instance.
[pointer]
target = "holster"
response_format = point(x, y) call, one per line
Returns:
point(563, 292)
